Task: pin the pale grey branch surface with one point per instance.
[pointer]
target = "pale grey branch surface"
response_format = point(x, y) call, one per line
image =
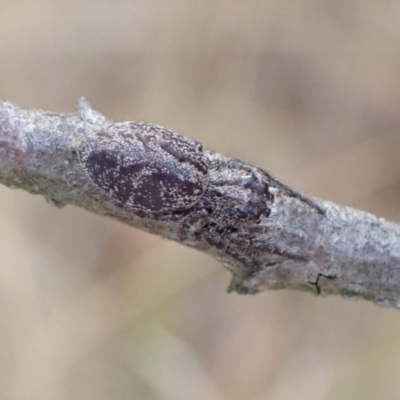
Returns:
point(267, 235)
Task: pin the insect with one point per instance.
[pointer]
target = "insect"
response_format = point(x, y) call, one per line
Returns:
point(145, 167)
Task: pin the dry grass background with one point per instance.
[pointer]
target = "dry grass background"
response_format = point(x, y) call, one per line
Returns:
point(92, 309)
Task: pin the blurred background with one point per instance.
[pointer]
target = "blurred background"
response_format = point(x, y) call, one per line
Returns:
point(308, 90)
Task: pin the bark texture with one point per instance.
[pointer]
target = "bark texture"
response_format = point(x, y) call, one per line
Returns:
point(267, 235)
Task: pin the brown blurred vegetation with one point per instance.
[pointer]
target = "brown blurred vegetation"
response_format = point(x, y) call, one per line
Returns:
point(92, 309)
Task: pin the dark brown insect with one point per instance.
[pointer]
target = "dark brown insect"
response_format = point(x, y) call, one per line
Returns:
point(145, 167)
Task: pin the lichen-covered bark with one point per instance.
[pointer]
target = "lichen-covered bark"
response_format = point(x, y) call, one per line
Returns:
point(266, 234)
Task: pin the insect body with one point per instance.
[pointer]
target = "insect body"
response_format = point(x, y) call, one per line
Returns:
point(145, 167)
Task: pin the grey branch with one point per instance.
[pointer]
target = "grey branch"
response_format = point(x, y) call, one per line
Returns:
point(267, 235)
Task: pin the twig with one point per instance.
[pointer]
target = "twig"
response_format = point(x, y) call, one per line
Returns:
point(266, 234)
